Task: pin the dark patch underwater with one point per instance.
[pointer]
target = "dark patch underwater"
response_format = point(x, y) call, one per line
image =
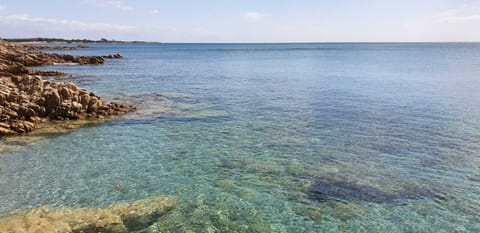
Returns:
point(343, 191)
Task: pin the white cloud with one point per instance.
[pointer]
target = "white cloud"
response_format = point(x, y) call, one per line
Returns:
point(2, 7)
point(455, 24)
point(468, 18)
point(72, 24)
point(460, 14)
point(155, 11)
point(254, 16)
point(25, 25)
point(117, 4)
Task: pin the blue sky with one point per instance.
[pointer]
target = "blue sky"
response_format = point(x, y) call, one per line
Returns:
point(244, 20)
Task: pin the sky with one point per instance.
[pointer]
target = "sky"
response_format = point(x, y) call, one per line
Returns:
point(244, 20)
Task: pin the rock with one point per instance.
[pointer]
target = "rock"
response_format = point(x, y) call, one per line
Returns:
point(47, 73)
point(12, 97)
point(11, 114)
point(143, 213)
point(66, 93)
point(48, 219)
point(113, 56)
point(324, 190)
point(84, 100)
point(30, 113)
point(36, 119)
point(127, 217)
point(76, 107)
point(6, 131)
point(65, 111)
point(22, 126)
point(33, 47)
point(68, 58)
point(22, 110)
point(14, 59)
point(26, 99)
point(52, 100)
point(93, 105)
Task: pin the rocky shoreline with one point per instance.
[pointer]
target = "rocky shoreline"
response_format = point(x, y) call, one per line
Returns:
point(31, 47)
point(30, 103)
point(27, 100)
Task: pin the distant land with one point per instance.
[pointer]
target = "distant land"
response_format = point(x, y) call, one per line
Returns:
point(77, 41)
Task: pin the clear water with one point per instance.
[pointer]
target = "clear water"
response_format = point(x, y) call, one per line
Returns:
point(272, 138)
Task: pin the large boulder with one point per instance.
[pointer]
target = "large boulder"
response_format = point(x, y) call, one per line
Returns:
point(52, 101)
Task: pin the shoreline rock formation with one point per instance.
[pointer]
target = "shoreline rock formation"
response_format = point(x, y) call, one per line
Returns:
point(124, 217)
point(26, 99)
point(32, 47)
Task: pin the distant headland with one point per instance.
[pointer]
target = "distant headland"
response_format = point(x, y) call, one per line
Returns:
point(74, 41)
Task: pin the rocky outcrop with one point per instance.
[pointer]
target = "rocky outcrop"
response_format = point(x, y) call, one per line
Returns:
point(113, 56)
point(10, 69)
point(33, 47)
point(41, 59)
point(27, 100)
point(15, 58)
point(126, 217)
point(38, 59)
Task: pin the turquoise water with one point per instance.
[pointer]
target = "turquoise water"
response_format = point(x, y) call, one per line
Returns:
point(272, 138)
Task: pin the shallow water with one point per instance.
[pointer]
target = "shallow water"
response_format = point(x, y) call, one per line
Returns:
point(272, 138)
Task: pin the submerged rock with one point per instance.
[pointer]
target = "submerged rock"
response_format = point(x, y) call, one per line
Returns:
point(115, 218)
point(141, 214)
point(325, 190)
point(220, 212)
point(171, 106)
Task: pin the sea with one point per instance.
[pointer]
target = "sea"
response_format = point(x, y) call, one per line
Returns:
point(316, 137)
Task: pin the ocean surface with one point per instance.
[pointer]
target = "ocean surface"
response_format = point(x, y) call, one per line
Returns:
point(334, 137)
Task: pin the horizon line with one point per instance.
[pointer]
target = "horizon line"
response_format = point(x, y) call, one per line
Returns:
point(113, 41)
point(236, 42)
point(322, 42)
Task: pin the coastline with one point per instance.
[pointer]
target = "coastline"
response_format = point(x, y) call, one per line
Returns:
point(27, 101)
point(41, 40)
point(31, 108)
